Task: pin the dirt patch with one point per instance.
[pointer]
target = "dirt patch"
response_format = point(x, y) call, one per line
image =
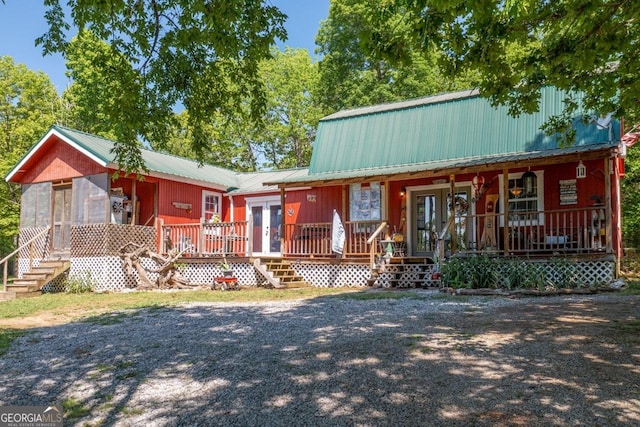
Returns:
point(48, 318)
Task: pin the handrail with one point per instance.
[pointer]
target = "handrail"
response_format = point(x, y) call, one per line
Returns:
point(372, 248)
point(381, 227)
point(5, 261)
point(441, 236)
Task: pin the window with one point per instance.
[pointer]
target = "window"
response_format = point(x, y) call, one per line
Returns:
point(526, 198)
point(211, 206)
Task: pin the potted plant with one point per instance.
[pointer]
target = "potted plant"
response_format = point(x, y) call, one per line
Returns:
point(226, 268)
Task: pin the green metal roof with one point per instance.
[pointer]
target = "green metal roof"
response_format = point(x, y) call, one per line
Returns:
point(435, 131)
point(154, 161)
point(167, 166)
point(253, 182)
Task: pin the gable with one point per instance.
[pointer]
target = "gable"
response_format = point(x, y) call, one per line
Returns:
point(55, 160)
point(432, 130)
point(97, 151)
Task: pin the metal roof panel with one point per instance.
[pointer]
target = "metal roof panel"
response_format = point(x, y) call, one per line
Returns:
point(441, 128)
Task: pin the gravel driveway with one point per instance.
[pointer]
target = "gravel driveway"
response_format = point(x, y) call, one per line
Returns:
point(427, 360)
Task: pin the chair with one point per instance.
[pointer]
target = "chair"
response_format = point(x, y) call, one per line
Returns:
point(185, 245)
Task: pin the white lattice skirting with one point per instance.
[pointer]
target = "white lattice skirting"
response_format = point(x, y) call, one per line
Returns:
point(107, 273)
point(333, 275)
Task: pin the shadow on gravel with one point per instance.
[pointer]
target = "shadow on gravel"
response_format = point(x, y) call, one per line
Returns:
point(338, 361)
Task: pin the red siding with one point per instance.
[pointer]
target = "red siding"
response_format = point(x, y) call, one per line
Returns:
point(58, 160)
point(301, 206)
point(172, 191)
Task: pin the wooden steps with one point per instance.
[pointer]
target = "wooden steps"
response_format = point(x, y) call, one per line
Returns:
point(280, 274)
point(31, 283)
point(406, 273)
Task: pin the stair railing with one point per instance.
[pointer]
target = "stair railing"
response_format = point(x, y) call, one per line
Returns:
point(5, 261)
point(440, 248)
point(372, 247)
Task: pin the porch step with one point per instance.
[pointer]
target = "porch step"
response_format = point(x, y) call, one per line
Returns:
point(404, 273)
point(281, 274)
point(31, 282)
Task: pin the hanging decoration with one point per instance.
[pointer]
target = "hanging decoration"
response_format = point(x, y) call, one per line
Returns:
point(480, 187)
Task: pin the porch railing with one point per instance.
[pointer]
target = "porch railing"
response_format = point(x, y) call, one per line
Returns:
point(30, 243)
point(576, 230)
point(314, 239)
point(207, 239)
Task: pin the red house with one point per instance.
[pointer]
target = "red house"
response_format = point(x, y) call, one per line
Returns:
point(412, 182)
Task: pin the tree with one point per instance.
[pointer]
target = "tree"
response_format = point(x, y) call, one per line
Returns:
point(229, 142)
point(282, 136)
point(630, 194)
point(110, 107)
point(28, 106)
point(292, 114)
point(517, 47)
point(178, 48)
point(357, 42)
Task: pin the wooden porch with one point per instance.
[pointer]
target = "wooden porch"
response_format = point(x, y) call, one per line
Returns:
point(532, 233)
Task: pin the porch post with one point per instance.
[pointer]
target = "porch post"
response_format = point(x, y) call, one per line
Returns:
point(387, 196)
point(134, 198)
point(201, 241)
point(505, 209)
point(283, 226)
point(607, 203)
point(344, 201)
point(345, 189)
point(452, 212)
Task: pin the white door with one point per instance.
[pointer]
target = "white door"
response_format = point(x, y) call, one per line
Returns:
point(267, 221)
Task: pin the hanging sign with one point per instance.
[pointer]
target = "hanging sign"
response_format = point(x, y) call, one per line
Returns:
point(568, 192)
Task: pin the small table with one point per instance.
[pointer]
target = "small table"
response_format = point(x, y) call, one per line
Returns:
point(225, 283)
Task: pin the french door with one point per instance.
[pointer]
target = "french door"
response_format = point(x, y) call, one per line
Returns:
point(431, 209)
point(267, 221)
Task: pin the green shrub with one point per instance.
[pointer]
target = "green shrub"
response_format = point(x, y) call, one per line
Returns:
point(79, 285)
point(484, 272)
point(517, 274)
point(470, 272)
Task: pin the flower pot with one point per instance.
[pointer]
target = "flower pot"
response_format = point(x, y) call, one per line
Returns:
point(227, 273)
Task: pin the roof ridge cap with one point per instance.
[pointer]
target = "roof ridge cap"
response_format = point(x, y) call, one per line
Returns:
point(404, 104)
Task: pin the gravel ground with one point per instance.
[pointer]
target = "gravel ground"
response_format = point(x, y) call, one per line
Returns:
point(337, 361)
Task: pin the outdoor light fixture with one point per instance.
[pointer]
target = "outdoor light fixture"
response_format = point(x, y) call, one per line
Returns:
point(528, 180)
point(581, 170)
point(403, 191)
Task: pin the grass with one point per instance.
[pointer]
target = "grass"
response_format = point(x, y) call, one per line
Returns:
point(6, 338)
point(74, 408)
point(633, 288)
point(632, 327)
point(77, 306)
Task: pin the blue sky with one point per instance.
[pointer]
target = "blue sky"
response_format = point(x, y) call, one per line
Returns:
point(22, 21)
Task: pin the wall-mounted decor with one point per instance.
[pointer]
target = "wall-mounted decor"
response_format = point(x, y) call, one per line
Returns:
point(568, 192)
point(179, 205)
